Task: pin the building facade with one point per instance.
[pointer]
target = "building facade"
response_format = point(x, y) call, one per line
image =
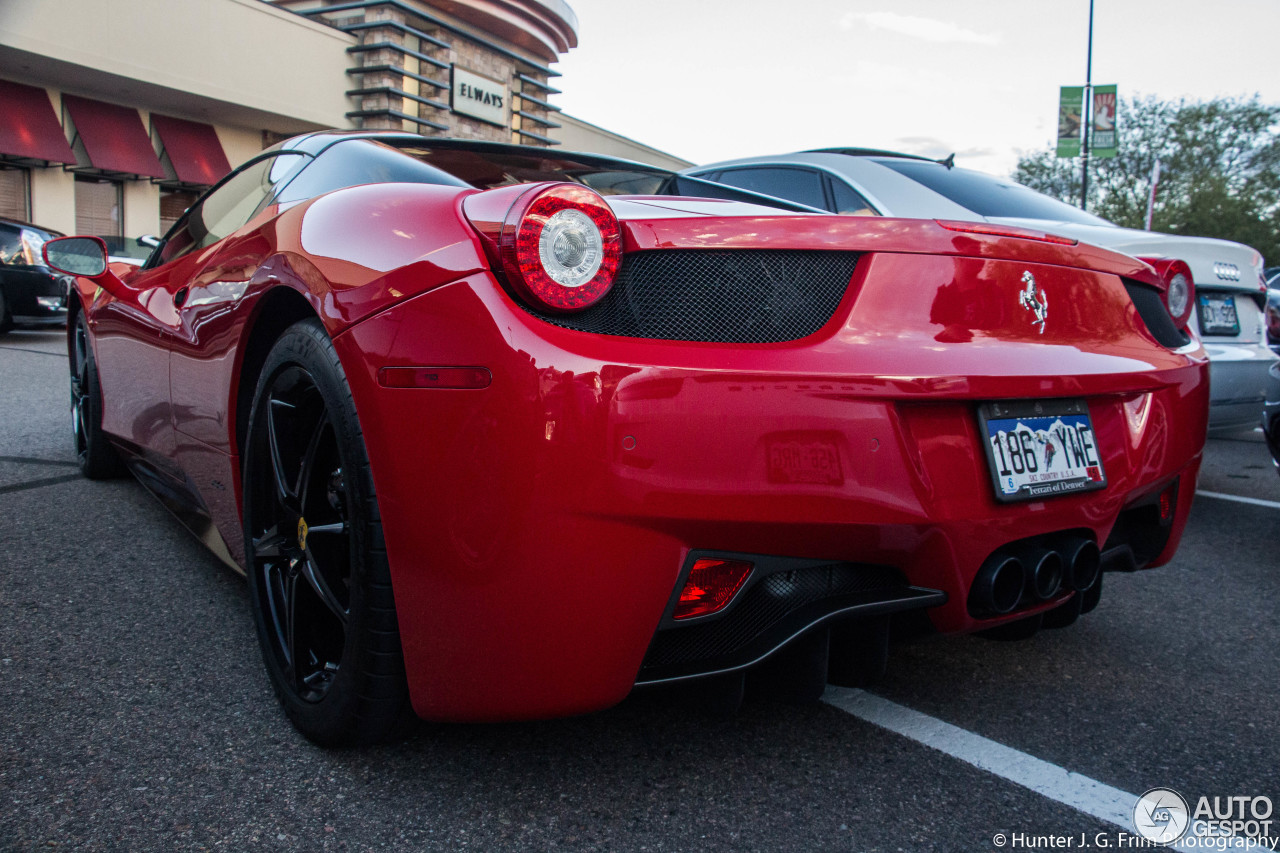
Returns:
point(114, 116)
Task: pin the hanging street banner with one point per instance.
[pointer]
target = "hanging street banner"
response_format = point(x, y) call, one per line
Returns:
point(1070, 118)
point(1105, 138)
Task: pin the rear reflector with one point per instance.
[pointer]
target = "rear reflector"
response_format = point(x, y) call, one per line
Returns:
point(434, 377)
point(1005, 231)
point(711, 585)
point(1168, 502)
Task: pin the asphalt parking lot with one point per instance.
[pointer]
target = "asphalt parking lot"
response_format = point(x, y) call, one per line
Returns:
point(137, 716)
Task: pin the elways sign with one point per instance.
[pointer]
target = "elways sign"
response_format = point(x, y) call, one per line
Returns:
point(479, 97)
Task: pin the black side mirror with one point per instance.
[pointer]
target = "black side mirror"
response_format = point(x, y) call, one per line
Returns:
point(86, 256)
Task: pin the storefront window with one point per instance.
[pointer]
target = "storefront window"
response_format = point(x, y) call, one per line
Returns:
point(15, 194)
point(99, 207)
point(174, 203)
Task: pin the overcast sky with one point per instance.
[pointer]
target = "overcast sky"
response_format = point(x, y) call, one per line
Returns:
point(712, 79)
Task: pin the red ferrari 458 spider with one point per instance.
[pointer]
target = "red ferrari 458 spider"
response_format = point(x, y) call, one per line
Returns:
point(500, 432)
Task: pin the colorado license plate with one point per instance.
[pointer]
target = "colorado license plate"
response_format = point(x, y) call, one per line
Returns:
point(1041, 448)
point(1218, 314)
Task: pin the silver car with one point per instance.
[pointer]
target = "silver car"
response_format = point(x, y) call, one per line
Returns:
point(1230, 292)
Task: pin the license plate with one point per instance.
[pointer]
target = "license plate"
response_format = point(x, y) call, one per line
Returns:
point(804, 458)
point(1041, 448)
point(1218, 314)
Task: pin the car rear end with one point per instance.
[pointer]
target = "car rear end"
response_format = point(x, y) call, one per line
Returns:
point(766, 425)
point(1231, 319)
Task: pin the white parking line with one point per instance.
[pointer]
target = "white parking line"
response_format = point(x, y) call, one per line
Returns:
point(1059, 784)
point(1238, 499)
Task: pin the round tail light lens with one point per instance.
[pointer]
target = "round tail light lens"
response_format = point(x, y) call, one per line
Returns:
point(561, 247)
point(1179, 295)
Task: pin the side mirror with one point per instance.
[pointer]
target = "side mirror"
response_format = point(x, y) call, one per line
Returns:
point(84, 256)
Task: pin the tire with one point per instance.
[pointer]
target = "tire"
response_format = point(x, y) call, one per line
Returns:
point(98, 460)
point(319, 582)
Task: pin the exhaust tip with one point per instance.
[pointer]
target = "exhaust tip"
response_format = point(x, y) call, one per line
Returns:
point(1083, 564)
point(1046, 572)
point(997, 589)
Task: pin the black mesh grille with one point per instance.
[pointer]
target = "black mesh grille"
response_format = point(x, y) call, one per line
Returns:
point(1152, 311)
point(765, 605)
point(719, 296)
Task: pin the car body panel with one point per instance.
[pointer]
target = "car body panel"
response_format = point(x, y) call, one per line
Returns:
point(536, 528)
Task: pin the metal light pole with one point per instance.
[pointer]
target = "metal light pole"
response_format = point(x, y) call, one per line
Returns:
point(1086, 131)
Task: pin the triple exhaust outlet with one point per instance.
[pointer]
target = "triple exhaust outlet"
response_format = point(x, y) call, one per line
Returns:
point(1033, 571)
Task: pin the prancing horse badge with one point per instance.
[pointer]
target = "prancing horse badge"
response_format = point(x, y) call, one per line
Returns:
point(1034, 300)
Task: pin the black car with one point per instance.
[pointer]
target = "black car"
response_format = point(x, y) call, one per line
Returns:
point(30, 292)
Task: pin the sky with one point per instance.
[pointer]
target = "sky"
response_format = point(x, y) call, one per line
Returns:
point(708, 80)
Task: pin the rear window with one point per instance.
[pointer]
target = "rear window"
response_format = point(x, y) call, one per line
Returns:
point(986, 195)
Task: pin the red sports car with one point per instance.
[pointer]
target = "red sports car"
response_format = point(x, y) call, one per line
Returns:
point(500, 432)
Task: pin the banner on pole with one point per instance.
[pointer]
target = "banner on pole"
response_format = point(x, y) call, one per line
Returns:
point(1105, 139)
point(1070, 118)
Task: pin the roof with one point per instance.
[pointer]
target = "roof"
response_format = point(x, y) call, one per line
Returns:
point(868, 152)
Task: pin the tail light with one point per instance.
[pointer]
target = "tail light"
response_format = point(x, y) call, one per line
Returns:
point(558, 245)
point(1179, 294)
point(711, 585)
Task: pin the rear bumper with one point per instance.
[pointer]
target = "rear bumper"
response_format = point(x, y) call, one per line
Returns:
point(538, 528)
point(1238, 380)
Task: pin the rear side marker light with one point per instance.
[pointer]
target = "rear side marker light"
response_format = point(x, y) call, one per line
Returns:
point(711, 585)
point(1005, 231)
point(435, 377)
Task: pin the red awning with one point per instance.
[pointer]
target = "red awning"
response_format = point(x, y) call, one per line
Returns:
point(30, 130)
point(113, 138)
point(192, 149)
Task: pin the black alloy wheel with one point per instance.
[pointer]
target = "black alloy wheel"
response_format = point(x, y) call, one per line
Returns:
point(319, 580)
point(98, 460)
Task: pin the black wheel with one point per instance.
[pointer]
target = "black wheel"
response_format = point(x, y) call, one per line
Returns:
point(318, 576)
point(6, 319)
point(859, 652)
point(97, 458)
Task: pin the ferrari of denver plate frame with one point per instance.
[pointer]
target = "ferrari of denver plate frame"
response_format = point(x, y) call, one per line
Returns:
point(502, 433)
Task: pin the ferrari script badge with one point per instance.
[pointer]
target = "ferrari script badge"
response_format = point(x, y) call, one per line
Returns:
point(1034, 300)
point(302, 533)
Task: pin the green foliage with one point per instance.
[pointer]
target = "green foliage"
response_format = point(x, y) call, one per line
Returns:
point(1219, 170)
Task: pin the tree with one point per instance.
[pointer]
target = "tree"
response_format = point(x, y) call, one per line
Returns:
point(1219, 170)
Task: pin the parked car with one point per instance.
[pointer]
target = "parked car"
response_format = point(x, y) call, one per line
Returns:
point(1230, 294)
point(30, 292)
point(1271, 413)
point(494, 441)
